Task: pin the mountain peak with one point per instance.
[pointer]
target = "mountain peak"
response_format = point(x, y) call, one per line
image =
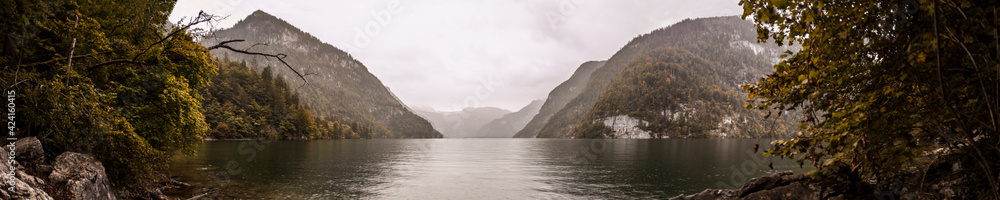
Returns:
point(260, 13)
point(342, 87)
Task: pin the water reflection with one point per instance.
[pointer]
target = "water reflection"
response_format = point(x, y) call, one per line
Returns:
point(469, 168)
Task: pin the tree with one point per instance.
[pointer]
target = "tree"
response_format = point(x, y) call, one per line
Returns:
point(891, 89)
point(111, 78)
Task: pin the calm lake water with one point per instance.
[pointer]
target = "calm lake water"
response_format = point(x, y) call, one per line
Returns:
point(470, 168)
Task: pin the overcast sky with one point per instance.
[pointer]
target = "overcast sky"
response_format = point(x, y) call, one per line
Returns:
point(436, 53)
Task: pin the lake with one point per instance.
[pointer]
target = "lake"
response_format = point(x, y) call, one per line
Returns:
point(471, 168)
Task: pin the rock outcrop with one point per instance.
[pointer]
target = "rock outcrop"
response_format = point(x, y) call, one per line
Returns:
point(80, 175)
point(29, 150)
point(22, 186)
point(778, 186)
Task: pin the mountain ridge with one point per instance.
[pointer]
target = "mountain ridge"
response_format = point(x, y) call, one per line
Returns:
point(558, 97)
point(464, 123)
point(337, 85)
point(716, 36)
point(509, 124)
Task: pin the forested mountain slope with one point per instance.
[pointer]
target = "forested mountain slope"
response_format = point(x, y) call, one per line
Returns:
point(242, 103)
point(338, 85)
point(558, 98)
point(679, 81)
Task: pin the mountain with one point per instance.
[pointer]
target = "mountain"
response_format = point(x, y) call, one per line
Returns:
point(242, 103)
point(558, 98)
point(461, 124)
point(509, 124)
point(339, 86)
point(678, 81)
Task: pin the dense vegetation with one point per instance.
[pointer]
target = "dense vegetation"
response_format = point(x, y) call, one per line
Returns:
point(898, 95)
point(116, 80)
point(242, 103)
point(335, 84)
point(107, 78)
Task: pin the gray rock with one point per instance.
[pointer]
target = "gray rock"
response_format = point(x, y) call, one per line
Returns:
point(791, 191)
point(768, 182)
point(709, 194)
point(29, 149)
point(32, 181)
point(778, 186)
point(24, 186)
point(82, 175)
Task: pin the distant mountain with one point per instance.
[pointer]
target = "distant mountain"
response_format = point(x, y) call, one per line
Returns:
point(678, 81)
point(339, 86)
point(558, 98)
point(461, 124)
point(508, 125)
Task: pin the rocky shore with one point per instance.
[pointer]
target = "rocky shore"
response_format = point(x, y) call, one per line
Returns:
point(71, 176)
point(778, 186)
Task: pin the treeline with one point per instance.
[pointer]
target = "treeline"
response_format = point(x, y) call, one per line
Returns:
point(243, 103)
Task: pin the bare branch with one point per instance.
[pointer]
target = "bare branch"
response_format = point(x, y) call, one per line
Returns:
point(280, 57)
point(202, 18)
point(64, 58)
point(119, 61)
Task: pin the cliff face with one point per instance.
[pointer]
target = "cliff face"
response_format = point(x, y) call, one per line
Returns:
point(339, 86)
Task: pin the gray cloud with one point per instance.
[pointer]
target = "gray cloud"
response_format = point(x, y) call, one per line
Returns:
point(434, 53)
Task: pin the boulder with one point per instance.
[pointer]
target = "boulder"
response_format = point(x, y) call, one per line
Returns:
point(709, 194)
point(768, 182)
point(29, 151)
point(82, 175)
point(777, 186)
point(791, 191)
point(24, 186)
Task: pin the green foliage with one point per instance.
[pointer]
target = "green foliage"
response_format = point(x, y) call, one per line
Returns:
point(128, 94)
point(892, 88)
point(242, 103)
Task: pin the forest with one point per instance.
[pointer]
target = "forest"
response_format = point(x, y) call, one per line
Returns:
point(242, 103)
point(899, 98)
point(116, 80)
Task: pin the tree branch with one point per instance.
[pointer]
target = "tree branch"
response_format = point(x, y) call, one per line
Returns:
point(280, 57)
point(202, 17)
point(64, 58)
